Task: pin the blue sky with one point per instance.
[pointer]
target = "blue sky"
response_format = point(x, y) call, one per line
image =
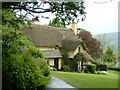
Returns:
point(101, 18)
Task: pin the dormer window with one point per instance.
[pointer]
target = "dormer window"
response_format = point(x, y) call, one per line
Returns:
point(78, 49)
point(56, 47)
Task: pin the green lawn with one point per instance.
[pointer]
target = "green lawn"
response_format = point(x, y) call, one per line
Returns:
point(82, 80)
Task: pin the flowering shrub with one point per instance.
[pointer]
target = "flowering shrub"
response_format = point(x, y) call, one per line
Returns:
point(24, 72)
point(23, 66)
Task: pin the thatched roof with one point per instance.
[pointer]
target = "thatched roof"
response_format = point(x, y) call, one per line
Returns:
point(87, 56)
point(42, 35)
point(51, 54)
point(70, 43)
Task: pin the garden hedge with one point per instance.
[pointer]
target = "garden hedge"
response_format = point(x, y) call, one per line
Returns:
point(114, 68)
point(91, 68)
point(101, 67)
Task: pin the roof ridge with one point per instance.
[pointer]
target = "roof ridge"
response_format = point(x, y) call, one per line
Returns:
point(53, 27)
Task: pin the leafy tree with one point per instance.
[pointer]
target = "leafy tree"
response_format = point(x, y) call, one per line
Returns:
point(23, 65)
point(64, 11)
point(81, 29)
point(56, 23)
point(92, 44)
point(106, 42)
point(103, 41)
point(109, 57)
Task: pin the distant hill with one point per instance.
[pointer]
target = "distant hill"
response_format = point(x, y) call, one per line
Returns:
point(113, 38)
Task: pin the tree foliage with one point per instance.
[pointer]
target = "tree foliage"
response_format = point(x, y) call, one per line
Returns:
point(56, 23)
point(81, 29)
point(109, 57)
point(23, 66)
point(92, 44)
point(79, 57)
point(64, 53)
point(103, 41)
point(72, 64)
point(64, 11)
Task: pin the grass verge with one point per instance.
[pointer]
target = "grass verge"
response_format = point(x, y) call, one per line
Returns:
point(83, 80)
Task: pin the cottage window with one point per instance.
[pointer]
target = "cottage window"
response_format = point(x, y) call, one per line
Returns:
point(48, 62)
point(79, 49)
point(56, 47)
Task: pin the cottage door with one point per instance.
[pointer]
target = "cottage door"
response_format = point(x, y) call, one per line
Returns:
point(56, 61)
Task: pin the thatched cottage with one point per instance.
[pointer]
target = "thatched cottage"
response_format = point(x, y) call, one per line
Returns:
point(51, 40)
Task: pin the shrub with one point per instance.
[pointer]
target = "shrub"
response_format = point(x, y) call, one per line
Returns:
point(66, 60)
point(35, 52)
point(86, 70)
point(66, 68)
point(23, 72)
point(43, 66)
point(114, 68)
point(23, 66)
point(91, 68)
point(101, 67)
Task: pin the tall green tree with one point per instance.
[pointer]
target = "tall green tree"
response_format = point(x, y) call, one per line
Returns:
point(109, 57)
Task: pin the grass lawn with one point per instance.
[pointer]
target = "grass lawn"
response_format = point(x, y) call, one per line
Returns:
point(82, 80)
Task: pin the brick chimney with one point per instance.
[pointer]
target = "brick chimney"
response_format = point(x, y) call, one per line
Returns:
point(35, 20)
point(74, 27)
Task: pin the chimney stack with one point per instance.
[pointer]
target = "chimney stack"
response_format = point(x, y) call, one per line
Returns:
point(35, 20)
point(74, 27)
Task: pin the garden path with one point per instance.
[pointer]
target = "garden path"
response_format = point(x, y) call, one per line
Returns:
point(58, 83)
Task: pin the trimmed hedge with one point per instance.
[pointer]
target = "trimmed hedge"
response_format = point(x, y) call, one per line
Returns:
point(91, 68)
point(114, 68)
point(101, 67)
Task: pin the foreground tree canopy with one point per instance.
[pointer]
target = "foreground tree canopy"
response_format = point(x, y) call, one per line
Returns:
point(23, 65)
point(64, 11)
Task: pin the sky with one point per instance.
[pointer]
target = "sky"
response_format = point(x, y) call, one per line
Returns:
point(100, 18)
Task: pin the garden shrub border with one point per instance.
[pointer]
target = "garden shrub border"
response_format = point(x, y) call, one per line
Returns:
point(114, 68)
point(102, 67)
point(90, 68)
